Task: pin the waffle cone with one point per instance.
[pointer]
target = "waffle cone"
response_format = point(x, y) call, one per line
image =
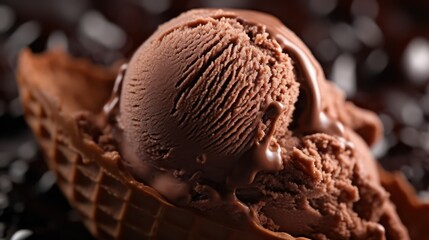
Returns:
point(53, 89)
point(413, 212)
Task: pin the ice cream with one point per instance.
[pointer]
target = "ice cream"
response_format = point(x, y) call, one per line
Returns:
point(204, 111)
point(226, 112)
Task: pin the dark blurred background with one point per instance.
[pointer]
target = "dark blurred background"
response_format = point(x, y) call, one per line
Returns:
point(377, 51)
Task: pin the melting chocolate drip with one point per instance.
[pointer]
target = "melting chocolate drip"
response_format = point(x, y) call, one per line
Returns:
point(313, 119)
point(259, 157)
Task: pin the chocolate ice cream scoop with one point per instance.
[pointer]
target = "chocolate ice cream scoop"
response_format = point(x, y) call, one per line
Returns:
point(227, 109)
point(201, 92)
point(209, 85)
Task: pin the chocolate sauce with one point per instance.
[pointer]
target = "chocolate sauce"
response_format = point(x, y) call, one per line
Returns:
point(259, 157)
point(313, 119)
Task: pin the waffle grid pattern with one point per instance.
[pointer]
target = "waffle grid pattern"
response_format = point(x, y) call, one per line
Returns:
point(112, 209)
